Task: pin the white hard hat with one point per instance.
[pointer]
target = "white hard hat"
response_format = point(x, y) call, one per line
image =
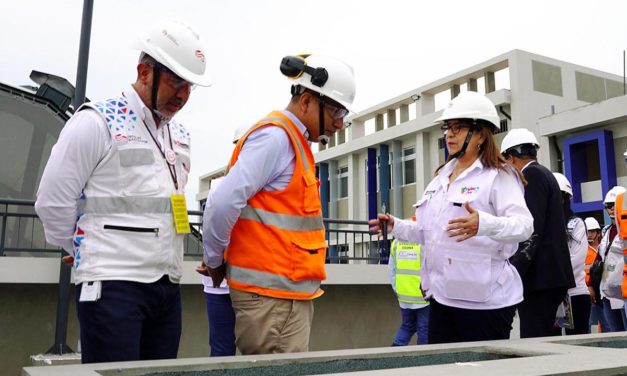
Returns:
point(239, 132)
point(592, 224)
point(610, 196)
point(178, 47)
point(563, 183)
point(471, 105)
point(326, 75)
point(518, 136)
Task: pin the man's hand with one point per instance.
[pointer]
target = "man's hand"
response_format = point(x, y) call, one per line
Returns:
point(464, 227)
point(68, 260)
point(593, 295)
point(203, 269)
point(217, 275)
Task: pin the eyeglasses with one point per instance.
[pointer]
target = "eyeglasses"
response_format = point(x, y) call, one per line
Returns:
point(608, 205)
point(453, 128)
point(335, 110)
point(171, 78)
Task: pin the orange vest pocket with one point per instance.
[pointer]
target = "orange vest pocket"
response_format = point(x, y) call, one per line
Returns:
point(311, 197)
point(307, 259)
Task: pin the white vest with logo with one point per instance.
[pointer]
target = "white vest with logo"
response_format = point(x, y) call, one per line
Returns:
point(125, 229)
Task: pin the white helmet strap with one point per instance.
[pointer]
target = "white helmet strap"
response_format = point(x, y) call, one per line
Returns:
point(462, 151)
point(156, 73)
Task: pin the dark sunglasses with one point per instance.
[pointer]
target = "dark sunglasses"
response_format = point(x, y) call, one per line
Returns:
point(608, 205)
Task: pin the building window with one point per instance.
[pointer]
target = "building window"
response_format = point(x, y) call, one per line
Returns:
point(342, 174)
point(409, 165)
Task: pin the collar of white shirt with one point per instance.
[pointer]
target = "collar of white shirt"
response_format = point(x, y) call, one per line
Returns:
point(136, 104)
point(447, 170)
point(525, 166)
point(299, 124)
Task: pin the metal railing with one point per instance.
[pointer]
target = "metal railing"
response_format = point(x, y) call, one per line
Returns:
point(351, 242)
point(22, 234)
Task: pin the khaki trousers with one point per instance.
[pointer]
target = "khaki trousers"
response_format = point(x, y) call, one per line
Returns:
point(265, 325)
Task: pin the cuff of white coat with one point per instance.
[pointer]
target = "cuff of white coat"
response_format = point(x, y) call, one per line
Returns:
point(68, 246)
point(400, 228)
point(487, 224)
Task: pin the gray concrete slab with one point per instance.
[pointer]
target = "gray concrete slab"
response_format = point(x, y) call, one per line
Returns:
point(571, 355)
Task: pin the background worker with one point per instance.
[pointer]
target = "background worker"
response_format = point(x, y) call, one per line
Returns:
point(543, 263)
point(621, 223)
point(578, 247)
point(267, 219)
point(405, 268)
point(108, 194)
point(596, 306)
point(469, 222)
point(612, 305)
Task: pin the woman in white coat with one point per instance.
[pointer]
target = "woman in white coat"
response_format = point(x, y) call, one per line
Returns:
point(470, 220)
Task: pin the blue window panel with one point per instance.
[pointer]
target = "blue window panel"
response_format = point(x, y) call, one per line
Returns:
point(384, 176)
point(323, 173)
point(576, 166)
point(371, 163)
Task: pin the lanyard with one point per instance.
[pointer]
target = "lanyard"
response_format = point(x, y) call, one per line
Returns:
point(171, 167)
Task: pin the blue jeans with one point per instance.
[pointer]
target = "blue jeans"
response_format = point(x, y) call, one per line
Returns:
point(615, 317)
point(131, 321)
point(221, 324)
point(598, 317)
point(413, 321)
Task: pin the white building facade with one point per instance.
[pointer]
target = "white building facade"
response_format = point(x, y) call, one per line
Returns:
point(387, 153)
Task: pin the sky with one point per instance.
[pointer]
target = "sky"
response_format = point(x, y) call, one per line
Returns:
point(394, 46)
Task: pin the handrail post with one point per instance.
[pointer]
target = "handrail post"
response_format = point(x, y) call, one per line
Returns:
point(3, 235)
point(63, 306)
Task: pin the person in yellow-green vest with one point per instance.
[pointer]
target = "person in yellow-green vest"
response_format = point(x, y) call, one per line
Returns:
point(404, 267)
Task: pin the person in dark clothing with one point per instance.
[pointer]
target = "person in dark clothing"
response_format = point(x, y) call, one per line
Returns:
point(543, 261)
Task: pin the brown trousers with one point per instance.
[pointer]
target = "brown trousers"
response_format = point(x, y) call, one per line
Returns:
point(265, 325)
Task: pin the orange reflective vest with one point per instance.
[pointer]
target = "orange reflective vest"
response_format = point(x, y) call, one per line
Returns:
point(621, 222)
point(590, 257)
point(277, 245)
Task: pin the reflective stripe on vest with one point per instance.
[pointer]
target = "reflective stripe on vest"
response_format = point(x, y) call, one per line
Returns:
point(125, 205)
point(411, 299)
point(269, 280)
point(301, 151)
point(283, 221)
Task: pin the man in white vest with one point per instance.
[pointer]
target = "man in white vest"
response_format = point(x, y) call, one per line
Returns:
point(112, 196)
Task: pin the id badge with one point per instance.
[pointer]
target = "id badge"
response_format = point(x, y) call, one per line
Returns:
point(179, 213)
point(90, 291)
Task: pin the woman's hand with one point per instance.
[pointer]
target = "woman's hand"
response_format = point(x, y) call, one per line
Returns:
point(464, 227)
point(375, 224)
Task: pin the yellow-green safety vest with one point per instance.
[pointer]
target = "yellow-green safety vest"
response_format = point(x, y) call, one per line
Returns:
point(407, 261)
